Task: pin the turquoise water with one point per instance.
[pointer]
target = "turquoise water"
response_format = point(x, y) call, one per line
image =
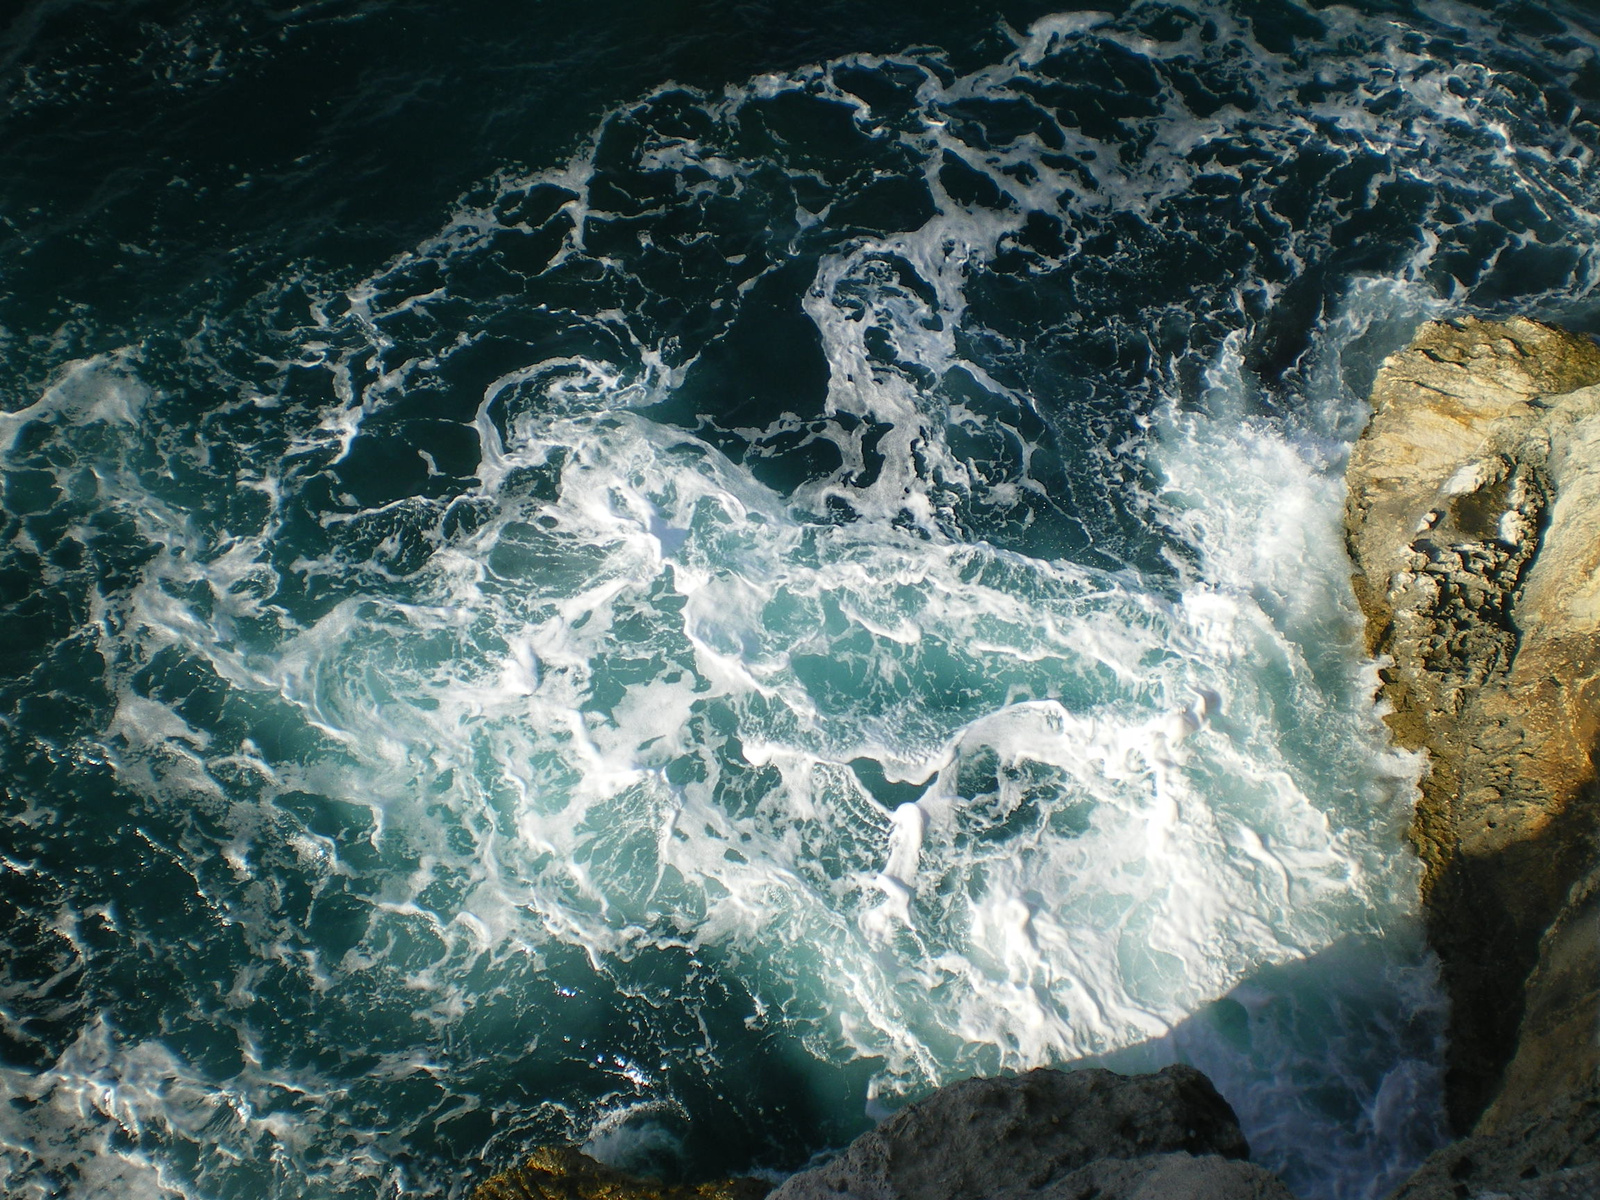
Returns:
point(780, 565)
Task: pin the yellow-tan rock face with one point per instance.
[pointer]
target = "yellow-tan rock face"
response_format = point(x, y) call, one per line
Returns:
point(563, 1173)
point(1473, 521)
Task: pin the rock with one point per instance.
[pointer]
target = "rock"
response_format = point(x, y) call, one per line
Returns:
point(1046, 1135)
point(1580, 1183)
point(1163, 1177)
point(562, 1173)
point(980, 1139)
point(1547, 1156)
point(1558, 1044)
point(1473, 521)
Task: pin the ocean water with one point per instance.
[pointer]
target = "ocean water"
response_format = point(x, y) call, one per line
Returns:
point(673, 577)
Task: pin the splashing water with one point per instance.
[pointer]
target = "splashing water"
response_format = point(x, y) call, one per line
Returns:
point(835, 586)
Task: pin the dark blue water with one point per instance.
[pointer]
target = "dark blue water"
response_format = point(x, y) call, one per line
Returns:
point(674, 576)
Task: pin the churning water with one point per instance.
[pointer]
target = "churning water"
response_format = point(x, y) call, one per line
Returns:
point(799, 586)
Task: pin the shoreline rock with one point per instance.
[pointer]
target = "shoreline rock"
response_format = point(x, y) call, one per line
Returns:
point(1021, 1135)
point(1541, 1156)
point(1473, 521)
point(566, 1173)
point(1088, 1134)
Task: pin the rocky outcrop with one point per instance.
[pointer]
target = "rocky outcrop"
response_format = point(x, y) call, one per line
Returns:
point(1558, 1044)
point(1162, 1177)
point(1577, 1183)
point(1473, 521)
point(563, 1173)
point(1046, 1135)
point(1554, 1154)
point(1540, 1138)
point(1051, 1135)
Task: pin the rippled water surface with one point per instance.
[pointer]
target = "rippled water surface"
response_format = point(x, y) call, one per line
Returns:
point(673, 578)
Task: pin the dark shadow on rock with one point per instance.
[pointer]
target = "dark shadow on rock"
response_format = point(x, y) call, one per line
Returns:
point(1558, 1042)
point(1485, 917)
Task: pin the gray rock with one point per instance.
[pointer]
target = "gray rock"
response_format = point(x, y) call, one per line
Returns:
point(983, 1138)
point(1164, 1177)
point(1559, 1149)
point(1579, 1183)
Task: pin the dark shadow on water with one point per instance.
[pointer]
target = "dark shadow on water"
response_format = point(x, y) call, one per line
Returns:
point(1333, 1063)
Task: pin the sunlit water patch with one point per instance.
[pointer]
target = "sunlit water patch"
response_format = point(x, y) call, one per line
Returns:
point(837, 586)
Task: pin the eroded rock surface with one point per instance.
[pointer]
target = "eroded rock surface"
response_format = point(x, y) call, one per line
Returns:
point(1474, 523)
point(1044, 1134)
point(1163, 1177)
point(1558, 1044)
point(563, 1173)
point(1554, 1154)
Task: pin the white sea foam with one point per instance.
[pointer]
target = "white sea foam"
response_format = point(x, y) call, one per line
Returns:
point(103, 389)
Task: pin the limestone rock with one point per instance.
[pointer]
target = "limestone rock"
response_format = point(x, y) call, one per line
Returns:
point(1558, 1045)
point(1473, 521)
point(980, 1139)
point(1433, 406)
point(562, 1173)
point(1163, 1177)
point(1555, 1154)
point(1580, 1183)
